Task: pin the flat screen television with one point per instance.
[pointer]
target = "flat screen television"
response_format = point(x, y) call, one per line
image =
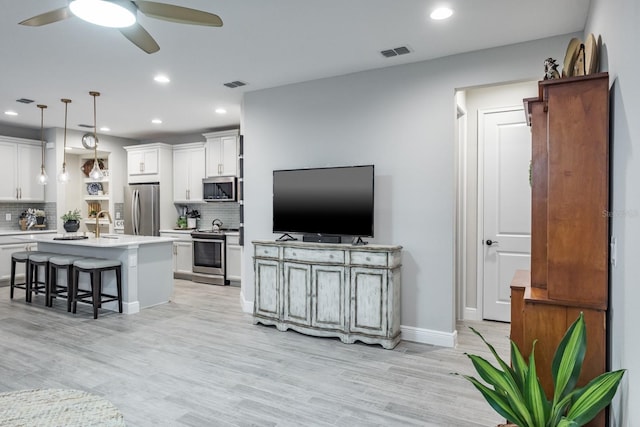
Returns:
point(335, 201)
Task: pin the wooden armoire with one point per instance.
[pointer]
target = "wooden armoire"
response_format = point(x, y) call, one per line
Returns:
point(569, 225)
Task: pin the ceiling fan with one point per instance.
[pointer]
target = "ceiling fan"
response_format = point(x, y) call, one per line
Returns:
point(121, 14)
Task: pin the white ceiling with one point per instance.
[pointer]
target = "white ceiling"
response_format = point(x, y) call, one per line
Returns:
point(265, 43)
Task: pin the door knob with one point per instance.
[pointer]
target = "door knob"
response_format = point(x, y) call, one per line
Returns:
point(490, 242)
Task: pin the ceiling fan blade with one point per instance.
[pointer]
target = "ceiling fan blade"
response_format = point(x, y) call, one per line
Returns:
point(140, 37)
point(48, 18)
point(183, 15)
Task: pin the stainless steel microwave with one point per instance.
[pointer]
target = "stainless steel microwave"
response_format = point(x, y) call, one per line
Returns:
point(219, 189)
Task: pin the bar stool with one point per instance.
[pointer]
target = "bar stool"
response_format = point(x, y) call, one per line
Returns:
point(19, 257)
point(57, 263)
point(34, 284)
point(96, 267)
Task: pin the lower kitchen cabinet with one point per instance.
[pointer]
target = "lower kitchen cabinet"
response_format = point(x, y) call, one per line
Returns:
point(345, 291)
point(182, 254)
point(234, 257)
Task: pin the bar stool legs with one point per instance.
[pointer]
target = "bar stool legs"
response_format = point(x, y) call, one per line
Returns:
point(96, 267)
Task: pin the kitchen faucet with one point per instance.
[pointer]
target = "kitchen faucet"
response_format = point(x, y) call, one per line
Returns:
point(98, 221)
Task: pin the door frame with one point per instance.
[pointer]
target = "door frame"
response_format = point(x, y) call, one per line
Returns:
point(480, 205)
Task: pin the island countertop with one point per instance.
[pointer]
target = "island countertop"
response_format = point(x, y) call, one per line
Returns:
point(105, 241)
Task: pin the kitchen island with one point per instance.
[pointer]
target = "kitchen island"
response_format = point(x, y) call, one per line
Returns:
point(147, 276)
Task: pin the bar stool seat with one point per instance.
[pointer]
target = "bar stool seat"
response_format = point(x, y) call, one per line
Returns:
point(56, 289)
point(34, 284)
point(95, 267)
point(19, 258)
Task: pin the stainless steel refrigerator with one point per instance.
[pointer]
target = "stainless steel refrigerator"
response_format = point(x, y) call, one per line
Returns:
point(142, 209)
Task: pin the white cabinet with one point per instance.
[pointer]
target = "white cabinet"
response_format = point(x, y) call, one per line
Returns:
point(148, 162)
point(346, 291)
point(20, 162)
point(222, 153)
point(188, 171)
point(234, 257)
point(182, 254)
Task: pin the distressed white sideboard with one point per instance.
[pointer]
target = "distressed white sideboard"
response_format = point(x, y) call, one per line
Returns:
point(329, 290)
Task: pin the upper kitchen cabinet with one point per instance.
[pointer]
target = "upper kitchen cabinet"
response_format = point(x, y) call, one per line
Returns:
point(222, 153)
point(188, 171)
point(148, 162)
point(20, 162)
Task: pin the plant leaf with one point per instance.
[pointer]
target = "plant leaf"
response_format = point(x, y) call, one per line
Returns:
point(594, 397)
point(534, 394)
point(567, 423)
point(504, 384)
point(498, 402)
point(519, 365)
point(568, 358)
point(505, 367)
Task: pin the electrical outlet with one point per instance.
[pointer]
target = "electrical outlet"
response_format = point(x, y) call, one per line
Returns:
point(7, 217)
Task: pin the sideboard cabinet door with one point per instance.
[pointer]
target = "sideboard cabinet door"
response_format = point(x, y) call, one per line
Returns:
point(328, 311)
point(369, 301)
point(297, 293)
point(267, 297)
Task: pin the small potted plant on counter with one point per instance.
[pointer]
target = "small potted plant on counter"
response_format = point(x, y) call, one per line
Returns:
point(71, 220)
point(41, 216)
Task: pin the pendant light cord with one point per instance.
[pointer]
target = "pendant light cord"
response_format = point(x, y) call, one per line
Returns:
point(42, 107)
point(64, 152)
point(95, 133)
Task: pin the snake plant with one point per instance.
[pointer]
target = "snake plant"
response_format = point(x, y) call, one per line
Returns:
point(516, 394)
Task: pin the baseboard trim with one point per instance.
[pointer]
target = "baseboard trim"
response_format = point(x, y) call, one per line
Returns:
point(427, 336)
point(247, 306)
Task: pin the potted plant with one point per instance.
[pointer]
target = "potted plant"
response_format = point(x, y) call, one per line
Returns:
point(40, 216)
point(515, 391)
point(71, 220)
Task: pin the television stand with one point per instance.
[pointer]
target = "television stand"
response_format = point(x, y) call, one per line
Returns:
point(286, 237)
point(329, 290)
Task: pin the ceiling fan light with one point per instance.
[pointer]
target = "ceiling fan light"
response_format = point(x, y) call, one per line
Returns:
point(114, 14)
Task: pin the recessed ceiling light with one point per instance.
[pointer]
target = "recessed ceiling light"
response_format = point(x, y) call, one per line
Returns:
point(160, 78)
point(105, 129)
point(221, 111)
point(11, 113)
point(441, 13)
point(156, 121)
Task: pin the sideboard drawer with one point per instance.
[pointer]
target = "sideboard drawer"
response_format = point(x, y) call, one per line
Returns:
point(313, 255)
point(266, 251)
point(375, 259)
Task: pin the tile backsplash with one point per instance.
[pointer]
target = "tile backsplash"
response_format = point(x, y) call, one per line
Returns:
point(227, 212)
point(15, 209)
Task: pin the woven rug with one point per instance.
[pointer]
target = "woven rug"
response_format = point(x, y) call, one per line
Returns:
point(57, 408)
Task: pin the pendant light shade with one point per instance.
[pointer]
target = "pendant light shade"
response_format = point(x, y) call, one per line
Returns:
point(43, 179)
point(95, 174)
point(63, 176)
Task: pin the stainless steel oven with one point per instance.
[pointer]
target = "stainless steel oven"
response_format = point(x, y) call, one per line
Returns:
point(209, 255)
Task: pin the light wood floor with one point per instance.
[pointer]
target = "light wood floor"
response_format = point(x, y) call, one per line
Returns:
point(199, 361)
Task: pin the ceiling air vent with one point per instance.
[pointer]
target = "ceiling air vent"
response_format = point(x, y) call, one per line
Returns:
point(24, 100)
point(85, 126)
point(390, 53)
point(235, 84)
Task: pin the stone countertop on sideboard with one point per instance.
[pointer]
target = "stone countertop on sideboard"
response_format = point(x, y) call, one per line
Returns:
point(105, 241)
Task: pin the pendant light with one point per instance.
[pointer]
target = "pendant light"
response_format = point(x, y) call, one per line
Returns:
point(95, 174)
point(63, 176)
point(43, 179)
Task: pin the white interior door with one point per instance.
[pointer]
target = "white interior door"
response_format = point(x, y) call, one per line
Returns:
point(506, 213)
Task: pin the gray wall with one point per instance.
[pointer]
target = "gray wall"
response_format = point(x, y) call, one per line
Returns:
point(617, 22)
point(402, 120)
